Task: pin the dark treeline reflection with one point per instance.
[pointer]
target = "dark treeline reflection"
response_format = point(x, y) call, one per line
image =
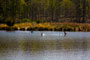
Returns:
point(41, 45)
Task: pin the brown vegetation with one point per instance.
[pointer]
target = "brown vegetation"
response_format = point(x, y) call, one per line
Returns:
point(48, 27)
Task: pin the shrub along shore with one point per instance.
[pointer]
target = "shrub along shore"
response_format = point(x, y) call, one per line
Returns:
point(47, 27)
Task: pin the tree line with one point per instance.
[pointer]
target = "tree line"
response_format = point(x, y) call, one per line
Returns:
point(45, 11)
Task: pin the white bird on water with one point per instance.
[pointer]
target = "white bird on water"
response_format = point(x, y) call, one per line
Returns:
point(42, 34)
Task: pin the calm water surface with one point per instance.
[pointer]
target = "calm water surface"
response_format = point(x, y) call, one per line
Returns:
point(26, 45)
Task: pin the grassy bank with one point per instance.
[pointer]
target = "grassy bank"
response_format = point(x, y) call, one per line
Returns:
point(48, 27)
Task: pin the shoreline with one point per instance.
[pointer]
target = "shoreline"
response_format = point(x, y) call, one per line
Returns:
point(71, 27)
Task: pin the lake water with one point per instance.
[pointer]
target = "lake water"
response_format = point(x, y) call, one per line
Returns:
point(26, 45)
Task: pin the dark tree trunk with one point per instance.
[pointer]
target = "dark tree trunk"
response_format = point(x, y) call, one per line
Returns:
point(52, 15)
point(84, 11)
point(78, 11)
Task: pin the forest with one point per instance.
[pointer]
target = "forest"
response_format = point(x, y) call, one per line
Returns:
point(18, 11)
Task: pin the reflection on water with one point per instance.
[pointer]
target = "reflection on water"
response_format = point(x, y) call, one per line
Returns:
point(25, 45)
